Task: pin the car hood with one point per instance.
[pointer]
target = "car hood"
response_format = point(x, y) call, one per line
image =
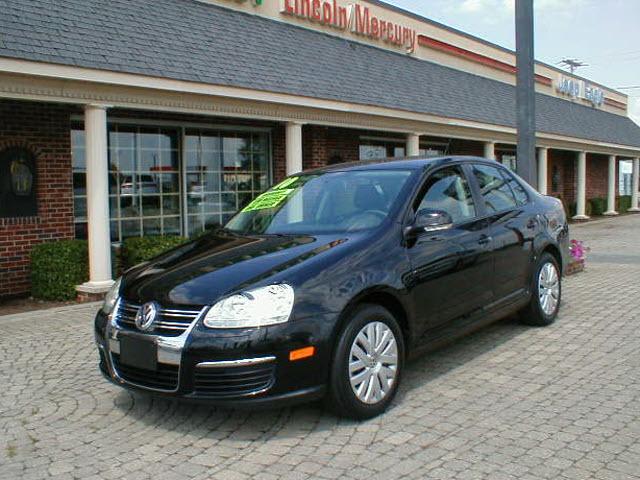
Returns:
point(202, 271)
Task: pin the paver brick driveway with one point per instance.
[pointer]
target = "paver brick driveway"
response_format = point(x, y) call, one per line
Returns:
point(506, 402)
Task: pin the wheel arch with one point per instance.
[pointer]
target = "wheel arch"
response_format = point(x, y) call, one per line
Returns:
point(386, 298)
point(555, 252)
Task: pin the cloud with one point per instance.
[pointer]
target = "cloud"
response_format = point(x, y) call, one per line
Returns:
point(490, 9)
point(474, 6)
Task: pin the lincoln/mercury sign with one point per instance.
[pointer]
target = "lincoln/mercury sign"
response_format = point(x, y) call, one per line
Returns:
point(355, 18)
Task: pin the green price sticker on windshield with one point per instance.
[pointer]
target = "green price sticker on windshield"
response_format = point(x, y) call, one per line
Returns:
point(273, 197)
point(286, 183)
point(270, 199)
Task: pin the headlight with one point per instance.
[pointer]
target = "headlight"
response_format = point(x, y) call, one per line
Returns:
point(112, 297)
point(254, 308)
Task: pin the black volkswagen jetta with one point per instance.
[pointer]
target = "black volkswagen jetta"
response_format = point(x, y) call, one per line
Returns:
point(323, 285)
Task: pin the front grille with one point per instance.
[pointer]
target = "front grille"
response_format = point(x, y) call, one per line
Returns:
point(234, 381)
point(164, 378)
point(170, 322)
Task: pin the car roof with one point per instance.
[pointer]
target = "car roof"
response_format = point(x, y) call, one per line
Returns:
point(400, 163)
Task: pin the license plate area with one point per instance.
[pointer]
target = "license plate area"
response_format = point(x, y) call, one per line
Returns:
point(139, 352)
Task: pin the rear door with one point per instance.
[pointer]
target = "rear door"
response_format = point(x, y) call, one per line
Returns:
point(513, 228)
point(451, 270)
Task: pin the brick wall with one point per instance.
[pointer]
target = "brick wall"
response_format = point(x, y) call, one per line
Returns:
point(43, 129)
point(466, 147)
point(597, 176)
point(564, 164)
point(322, 145)
point(279, 146)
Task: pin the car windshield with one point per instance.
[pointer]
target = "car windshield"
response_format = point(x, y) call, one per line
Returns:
point(330, 202)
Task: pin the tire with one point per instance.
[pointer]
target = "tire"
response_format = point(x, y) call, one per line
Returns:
point(545, 301)
point(375, 378)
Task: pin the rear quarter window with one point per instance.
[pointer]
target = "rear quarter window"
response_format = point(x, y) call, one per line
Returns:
point(496, 192)
point(520, 194)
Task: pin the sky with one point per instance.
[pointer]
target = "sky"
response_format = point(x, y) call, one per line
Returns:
point(602, 33)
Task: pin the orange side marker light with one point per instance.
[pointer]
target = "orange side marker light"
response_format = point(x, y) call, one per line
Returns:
point(301, 353)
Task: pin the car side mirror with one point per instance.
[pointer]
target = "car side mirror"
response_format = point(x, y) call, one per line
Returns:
point(429, 220)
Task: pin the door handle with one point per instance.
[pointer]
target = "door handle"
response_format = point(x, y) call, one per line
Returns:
point(484, 240)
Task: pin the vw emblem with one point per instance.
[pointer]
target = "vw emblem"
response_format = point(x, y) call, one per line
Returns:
point(146, 316)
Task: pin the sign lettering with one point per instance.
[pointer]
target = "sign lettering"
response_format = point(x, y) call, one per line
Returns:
point(580, 89)
point(355, 18)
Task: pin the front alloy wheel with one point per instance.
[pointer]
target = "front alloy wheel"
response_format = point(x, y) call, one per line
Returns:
point(373, 362)
point(367, 363)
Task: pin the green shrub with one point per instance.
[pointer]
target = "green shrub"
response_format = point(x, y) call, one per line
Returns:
point(573, 209)
point(140, 249)
point(598, 206)
point(57, 267)
point(623, 203)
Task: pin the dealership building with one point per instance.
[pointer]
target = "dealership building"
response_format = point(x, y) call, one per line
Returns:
point(127, 118)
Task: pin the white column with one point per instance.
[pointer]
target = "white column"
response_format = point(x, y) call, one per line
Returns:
point(543, 157)
point(581, 200)
point(294, 147)
point(490, 150)
point(635, 185)
point(611, 190)
point(413, 144)
point(95, 125)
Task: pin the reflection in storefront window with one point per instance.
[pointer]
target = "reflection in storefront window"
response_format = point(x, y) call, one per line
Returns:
point(154, 190)
point(225, 171)
point(509, 161)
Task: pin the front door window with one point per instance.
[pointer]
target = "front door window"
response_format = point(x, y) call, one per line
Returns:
point(447, 190)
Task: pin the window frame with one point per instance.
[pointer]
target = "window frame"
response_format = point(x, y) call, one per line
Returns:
point(508, 174)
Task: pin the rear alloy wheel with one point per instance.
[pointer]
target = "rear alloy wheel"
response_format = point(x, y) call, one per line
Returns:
point(367, 363)
point(546, 293)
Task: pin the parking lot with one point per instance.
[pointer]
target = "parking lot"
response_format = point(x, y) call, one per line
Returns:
point(507, 402)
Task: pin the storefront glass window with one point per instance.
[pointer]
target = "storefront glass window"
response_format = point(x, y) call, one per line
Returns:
point(158, 188)
point(625, 177)
point(373, 152)
point(224, 172)
point(375, 149)
point(509, 161)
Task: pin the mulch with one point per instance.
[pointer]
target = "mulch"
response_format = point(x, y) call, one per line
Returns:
point(21, 305)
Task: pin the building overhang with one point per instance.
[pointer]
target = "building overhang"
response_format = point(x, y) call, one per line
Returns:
point(47, 82)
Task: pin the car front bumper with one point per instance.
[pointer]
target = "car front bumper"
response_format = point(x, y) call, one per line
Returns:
point(223, 367)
